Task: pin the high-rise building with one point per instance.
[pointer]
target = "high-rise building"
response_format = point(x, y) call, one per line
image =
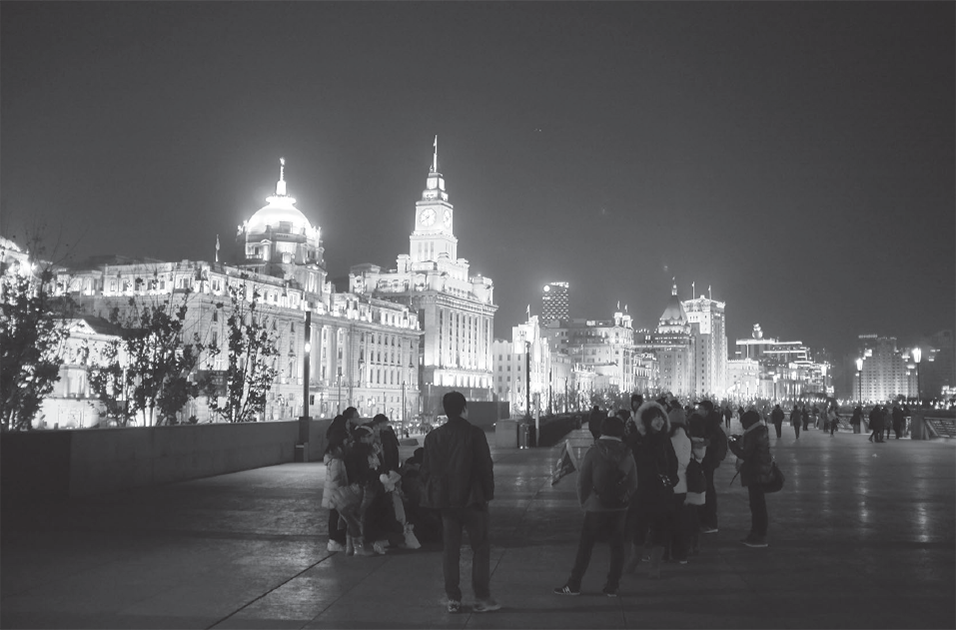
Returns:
point(885, 372)
point(674, 346)
point(709, 337)
point(555, 303)
point(455, 309)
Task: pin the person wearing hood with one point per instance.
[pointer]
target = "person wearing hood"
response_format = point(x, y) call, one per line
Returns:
point(657, 468)
point(755, 470)
point(608, 463)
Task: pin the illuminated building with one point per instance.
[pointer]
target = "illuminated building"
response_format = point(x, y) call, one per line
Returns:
point(885, 373)
point(788, 373)
point(521, 367)
point(604, 348)
point(555, 302)
point(455, 309)
point(673, 344)
point(364, 351)
point(709, 338)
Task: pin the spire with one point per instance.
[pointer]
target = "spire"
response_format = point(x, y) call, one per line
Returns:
point(674, 287)
point(435, 156)
point(280, 185)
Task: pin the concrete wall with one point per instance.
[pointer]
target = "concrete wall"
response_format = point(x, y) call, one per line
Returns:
point(62, 464)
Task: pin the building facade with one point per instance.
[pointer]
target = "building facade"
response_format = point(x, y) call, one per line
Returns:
point(555, 302)
point(709, 338)
point(455, 309)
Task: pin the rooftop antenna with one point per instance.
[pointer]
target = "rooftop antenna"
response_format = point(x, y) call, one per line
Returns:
point(280, 185)
point(435, 155)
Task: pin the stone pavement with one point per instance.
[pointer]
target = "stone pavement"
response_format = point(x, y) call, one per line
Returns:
point(862, 536)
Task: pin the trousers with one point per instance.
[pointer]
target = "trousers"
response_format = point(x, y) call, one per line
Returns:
point(476, 521)
point(611, 524)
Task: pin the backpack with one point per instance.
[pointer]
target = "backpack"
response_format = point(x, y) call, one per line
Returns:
point(610, 483)
point(696, 482)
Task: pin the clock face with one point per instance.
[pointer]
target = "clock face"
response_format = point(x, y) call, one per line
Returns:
point(427, 217)
point(447, 217)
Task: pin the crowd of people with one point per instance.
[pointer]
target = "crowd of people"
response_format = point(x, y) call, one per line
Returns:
point(374, 501)
point(663, 457)
point(646, 486)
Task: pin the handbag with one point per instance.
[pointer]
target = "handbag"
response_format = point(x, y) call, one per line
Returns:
point(776, 479)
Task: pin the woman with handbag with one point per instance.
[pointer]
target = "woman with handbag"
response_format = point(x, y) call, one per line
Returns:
point(756, 470)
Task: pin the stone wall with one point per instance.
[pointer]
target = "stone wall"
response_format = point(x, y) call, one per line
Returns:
point(41, 465)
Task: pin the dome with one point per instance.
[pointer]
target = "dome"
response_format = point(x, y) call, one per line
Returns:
point(280, 215)
point(674, 314)
point(280, 210)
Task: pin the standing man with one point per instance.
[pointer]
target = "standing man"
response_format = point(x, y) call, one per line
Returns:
point(712, 458)
point(459, 481)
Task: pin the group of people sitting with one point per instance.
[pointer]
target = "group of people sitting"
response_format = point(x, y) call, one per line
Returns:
point(373, 499)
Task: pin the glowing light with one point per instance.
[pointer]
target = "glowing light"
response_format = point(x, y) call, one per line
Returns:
point(859, 365)
point(917, 354)
point(308, 347)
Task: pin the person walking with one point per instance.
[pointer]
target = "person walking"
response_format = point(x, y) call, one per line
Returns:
point(834, 416)
point(458, 477)
point(594, 421)
point(876, 424)
point(607, 479)
point(805, 416)
point(776, 416)
point(753, 448)
point(796, 421)
point(899, 420)
point(887, 421)
point(857, 418)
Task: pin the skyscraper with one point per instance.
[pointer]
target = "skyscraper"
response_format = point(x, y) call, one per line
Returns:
point(706, 317)
point(555, 302)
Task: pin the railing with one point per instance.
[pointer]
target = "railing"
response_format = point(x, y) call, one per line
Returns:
point(941, 427)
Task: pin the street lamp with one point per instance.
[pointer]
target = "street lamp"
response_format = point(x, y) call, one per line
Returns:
point(859, 378)
point(917, 355)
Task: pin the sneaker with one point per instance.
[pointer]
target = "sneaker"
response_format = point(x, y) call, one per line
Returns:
point(454, 606)
point(335, 546)
point(567, 590)
point(486, 605)
point(610, 592)
point(380, 547)
point(708, 530)
point(755, 541)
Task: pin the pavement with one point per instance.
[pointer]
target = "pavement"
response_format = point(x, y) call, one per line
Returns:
point(863, 535)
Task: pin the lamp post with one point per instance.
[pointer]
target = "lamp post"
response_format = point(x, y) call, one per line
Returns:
point(917, 355)
point(859, 379)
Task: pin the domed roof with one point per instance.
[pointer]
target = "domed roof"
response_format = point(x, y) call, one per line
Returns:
point(281, 209)
point(674, 314)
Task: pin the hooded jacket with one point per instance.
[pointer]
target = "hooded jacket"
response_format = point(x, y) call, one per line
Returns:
point(754, 450)
point(608, 448)
point(655, 457)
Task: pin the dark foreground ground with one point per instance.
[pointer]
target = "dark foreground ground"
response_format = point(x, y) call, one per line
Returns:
point(862, 536)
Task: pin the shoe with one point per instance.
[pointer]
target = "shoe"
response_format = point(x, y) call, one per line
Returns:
point(336, 546)
point(708, 530)
point(567, 590)
point(486, 605)
point(610, 592)
point(380, 547)
point(454, 606)
point(411, 541)
point(755, 541)
point(360, 549)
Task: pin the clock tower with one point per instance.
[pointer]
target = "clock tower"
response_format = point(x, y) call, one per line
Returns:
point(434, 216)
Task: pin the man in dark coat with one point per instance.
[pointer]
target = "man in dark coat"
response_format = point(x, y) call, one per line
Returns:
point(754, 449)
point(876, 424)
point(776, 416)
point(712, 458)
point(899, 421)
point(595, 420)
point(459, 480)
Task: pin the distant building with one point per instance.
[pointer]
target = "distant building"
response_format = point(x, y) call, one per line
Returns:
point(709, 337)
point(673, 344)
point(886, 372)
point(555, 302)
point(455, 309)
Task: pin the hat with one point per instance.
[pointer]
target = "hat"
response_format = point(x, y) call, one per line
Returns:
point(612, 426)
point(749, 419)
point(706, 404)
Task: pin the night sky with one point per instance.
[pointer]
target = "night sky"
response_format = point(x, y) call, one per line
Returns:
point(796, 157)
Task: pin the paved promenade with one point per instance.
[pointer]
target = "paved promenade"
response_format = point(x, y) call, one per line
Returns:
point(862, 536)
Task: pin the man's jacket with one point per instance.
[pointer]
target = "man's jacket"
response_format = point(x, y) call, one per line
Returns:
point(457, 470)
